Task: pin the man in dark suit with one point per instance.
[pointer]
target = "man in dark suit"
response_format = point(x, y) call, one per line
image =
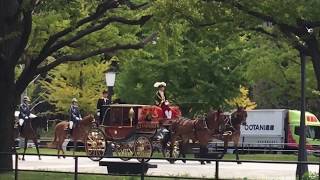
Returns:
point(25, 112)
point(102, 107)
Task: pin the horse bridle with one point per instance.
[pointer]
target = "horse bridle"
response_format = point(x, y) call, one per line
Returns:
point(205, 119)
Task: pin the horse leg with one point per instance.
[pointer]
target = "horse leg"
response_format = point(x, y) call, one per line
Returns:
point(25, 147)
point(61, 149)
point(75, 145)
point(203, 152)
point(182, 151)
point(63, 154)
point(171, 149)
point(59, 146)
point(206, 153)
point(235, 141)
point(36, 143)
point(225, 144)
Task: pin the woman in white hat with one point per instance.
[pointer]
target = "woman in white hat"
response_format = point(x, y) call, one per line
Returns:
point(161, 99)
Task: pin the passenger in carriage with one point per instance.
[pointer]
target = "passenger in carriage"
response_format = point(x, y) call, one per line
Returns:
point(102, 107)
point(161, 99)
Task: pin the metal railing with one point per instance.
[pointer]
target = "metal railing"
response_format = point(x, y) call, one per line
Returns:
point(142, 175)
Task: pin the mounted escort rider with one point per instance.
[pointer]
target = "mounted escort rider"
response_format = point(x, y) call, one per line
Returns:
point(75, 116)
point(161, 99)
point(25, 112)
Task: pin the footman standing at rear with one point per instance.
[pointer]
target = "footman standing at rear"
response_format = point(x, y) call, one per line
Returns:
point(102, 107)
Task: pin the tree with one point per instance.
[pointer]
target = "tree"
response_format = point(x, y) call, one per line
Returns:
point(242, 100)
point(85, 81)
point(273, 73)
point(64, 34)
point(200, 73)
point(297, 24)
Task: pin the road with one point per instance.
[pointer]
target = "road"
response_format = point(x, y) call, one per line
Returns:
point(191, 168)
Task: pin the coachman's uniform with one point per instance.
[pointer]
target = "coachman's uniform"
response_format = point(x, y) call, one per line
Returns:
point(102, 107)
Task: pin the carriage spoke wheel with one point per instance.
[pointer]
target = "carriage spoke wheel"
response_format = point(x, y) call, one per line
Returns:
point(143, 148)
point(175, 151)
point(95, 144)
point(124, 149)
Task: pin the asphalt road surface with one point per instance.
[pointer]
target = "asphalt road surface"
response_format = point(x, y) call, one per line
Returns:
point(191, 168)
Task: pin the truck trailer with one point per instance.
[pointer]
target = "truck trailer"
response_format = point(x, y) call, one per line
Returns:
point(278, 128)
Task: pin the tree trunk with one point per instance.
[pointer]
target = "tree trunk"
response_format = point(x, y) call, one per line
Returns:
point(315, 58)
point(7, 107)
point(10, 28)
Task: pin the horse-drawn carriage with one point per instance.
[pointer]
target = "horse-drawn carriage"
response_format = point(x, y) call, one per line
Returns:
point(130, 128)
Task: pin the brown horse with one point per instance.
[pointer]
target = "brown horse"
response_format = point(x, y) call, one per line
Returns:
point(27, 132)
point(78, 133)
point(200, 130)
point(232, 129)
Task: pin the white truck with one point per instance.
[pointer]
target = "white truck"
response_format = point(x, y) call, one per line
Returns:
point(278, 128)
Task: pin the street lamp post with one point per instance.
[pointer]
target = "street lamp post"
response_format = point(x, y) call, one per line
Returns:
point(110, 75)
point(302, 156)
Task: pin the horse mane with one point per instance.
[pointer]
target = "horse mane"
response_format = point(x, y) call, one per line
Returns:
point(87, 119)
point(236, 120)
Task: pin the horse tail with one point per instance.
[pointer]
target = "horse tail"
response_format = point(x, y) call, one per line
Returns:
point(54, 142)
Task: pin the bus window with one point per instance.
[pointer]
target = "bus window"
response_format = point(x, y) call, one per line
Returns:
point(312, 132)
point(296, 130)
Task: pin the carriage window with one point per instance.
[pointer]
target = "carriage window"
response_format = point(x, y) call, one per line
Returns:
point(119, 116)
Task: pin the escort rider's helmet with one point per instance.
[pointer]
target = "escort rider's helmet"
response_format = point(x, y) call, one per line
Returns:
point(26, 99)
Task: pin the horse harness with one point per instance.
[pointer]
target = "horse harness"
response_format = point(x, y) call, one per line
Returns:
point(228, 127)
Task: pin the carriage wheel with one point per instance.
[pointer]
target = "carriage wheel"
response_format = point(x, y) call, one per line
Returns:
point(124, 149)
point(143, 148)
point(175, 152)
point(95, 144)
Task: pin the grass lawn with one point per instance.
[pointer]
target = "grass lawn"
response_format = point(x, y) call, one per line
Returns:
point(271, 157)
point(48, 151)
point(278, 157)
point(62, 176)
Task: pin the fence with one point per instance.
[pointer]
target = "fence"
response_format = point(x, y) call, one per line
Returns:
point(142, 175)
point(217, 145)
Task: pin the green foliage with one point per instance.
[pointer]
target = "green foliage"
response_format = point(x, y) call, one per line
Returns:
point(200, 78)
point(273, 71)
point(85, 81)
point(310, 176)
